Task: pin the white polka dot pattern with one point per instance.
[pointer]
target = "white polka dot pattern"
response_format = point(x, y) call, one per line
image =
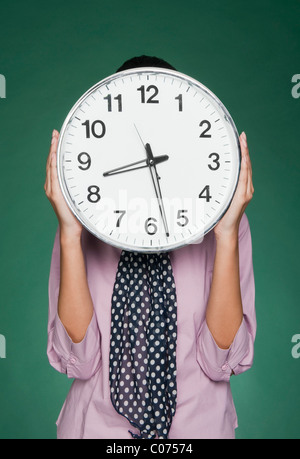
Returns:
point(143, 343)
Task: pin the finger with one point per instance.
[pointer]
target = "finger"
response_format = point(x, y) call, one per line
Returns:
point(53, 168)
point(247, 161)
point(245, 149)
point(52, 157)
point(250, 188)
point(243, 178)
point(244, 144)
point(47, 185)
point(52, 146)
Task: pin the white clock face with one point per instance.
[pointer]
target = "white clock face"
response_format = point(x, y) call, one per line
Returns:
point(149, 160)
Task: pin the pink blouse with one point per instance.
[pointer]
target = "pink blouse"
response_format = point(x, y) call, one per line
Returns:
point(205, 407)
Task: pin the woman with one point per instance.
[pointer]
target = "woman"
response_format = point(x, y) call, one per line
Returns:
point(216, 323)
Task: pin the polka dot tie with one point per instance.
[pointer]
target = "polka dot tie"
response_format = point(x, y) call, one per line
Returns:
point(143, 339)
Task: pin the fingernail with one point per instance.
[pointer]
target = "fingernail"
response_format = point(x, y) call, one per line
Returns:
point(244, 139)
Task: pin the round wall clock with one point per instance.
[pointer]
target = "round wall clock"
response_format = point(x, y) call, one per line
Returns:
point(149, 160)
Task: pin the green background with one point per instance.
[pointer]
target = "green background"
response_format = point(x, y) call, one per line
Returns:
point(246, 53)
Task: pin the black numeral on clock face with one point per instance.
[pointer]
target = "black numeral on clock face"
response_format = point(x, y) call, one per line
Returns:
point(184, 218)
point(150, 226)
point(122, 212)
point(207, 125)
point(93, 195)
point(151, 99)
point(205, 193)
point(179, 98)
point(97, 129)
point(109, 102)
point(84, 159)
point(215, 161)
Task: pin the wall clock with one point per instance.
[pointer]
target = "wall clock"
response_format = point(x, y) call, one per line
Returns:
point(149, 160)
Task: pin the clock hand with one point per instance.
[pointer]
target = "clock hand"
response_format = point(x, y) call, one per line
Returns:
point(139, 135)
point(127, 168)
point(155, 180)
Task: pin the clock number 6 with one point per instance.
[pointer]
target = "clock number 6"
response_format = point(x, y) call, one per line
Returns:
point(148, 224)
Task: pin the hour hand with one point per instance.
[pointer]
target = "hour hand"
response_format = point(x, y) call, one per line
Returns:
point(136, 165)
point(155, 180)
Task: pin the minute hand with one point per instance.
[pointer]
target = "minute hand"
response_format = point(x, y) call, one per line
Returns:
point(128, 167)
point(155, 179)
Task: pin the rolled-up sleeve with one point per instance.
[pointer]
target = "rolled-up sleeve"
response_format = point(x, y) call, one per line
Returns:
point(219, 364)
point(76, 360)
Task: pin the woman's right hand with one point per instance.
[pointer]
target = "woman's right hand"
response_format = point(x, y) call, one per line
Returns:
point(69, 225)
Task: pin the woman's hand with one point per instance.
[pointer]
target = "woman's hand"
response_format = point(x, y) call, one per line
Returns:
point(69, 225)
point(228, 226)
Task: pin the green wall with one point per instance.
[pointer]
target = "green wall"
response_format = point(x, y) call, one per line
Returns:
point(50, 54)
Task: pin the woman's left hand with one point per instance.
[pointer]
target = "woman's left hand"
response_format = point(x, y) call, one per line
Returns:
point(228, 226)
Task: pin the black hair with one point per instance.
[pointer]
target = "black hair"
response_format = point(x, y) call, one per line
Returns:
point(145, 61)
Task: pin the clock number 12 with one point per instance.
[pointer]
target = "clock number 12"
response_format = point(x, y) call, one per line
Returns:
point(151, 99)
